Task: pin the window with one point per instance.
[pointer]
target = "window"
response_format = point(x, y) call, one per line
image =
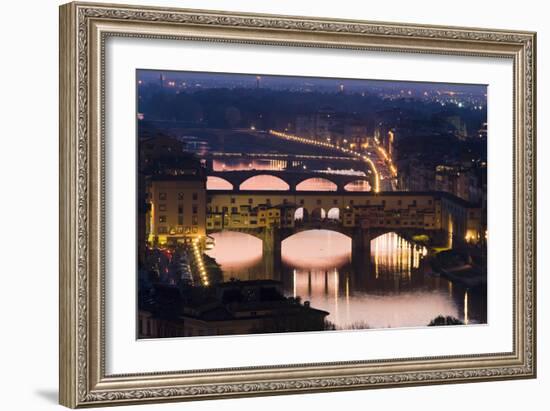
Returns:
point(335, 202)
point(430, 202)
point(318, 202)
point(414, 203)
point(250, 201)
point(195, 230)
point(195, 209)
point(162, 196)
point(180, 196)
point(195, 196)
point(195, 220)
point(301, 201)
point(162, 207)
point(180, 209)
point(233, 210)
point(268, 201)
point(399, 202)
point(163, 230)
point(162, 218)
point(350, 202)
point(384, 203)
point(232, 200)
point(180, 219)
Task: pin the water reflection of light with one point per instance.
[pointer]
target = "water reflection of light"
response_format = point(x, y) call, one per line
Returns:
point(466, 317)
point(359, 309)
point(243, 164)
point(316, 249)
point(316, 184)
point(294, 283)
point(317, 264)
point(359, 185)
point(229, 252)
point(265, 182)
point(395, 254)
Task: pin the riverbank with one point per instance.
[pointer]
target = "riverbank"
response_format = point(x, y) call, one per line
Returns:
point(458, 268)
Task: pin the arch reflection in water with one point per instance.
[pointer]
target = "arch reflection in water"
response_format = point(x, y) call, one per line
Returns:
point(392, 290)
point(393, 254)
point(229, 253)
point(316, 249)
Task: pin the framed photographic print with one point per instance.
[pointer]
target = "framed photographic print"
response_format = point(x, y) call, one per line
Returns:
point(260, 204)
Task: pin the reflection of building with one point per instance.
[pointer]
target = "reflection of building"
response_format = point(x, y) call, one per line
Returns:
point(177, 208)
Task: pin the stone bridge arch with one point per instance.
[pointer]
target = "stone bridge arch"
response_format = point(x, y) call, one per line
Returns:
point(300, 183)
point(292, 180)
point(283, 185)
point(218, 183)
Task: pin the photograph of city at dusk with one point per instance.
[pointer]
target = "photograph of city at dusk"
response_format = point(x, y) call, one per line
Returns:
point(282, 204)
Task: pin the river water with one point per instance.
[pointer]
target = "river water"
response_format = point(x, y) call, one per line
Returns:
point(392, 289)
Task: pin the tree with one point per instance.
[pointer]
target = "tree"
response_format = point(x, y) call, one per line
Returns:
point(442, 320)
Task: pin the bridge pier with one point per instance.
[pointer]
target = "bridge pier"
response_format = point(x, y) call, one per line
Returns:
point(271, 252)
point(360, 247)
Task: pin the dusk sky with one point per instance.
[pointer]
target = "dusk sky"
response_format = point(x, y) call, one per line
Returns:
point(217, 80)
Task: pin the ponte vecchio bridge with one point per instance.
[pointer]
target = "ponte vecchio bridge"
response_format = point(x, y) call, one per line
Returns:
point(273, 216)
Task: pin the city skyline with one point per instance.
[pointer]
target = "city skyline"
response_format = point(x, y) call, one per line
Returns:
point(282, 82)
point(286, 204)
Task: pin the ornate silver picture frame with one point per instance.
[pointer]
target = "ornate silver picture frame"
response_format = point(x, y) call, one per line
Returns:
point(84, 30)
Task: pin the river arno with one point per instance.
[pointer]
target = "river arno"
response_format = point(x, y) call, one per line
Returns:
point(393, 289)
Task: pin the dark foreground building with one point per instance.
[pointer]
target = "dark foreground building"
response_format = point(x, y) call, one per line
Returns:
point(235, 307)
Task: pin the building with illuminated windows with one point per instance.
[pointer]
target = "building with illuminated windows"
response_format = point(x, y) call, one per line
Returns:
point(177, 209)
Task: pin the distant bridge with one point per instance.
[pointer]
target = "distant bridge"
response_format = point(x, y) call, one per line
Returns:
point(291, 178)
point(281, 156)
